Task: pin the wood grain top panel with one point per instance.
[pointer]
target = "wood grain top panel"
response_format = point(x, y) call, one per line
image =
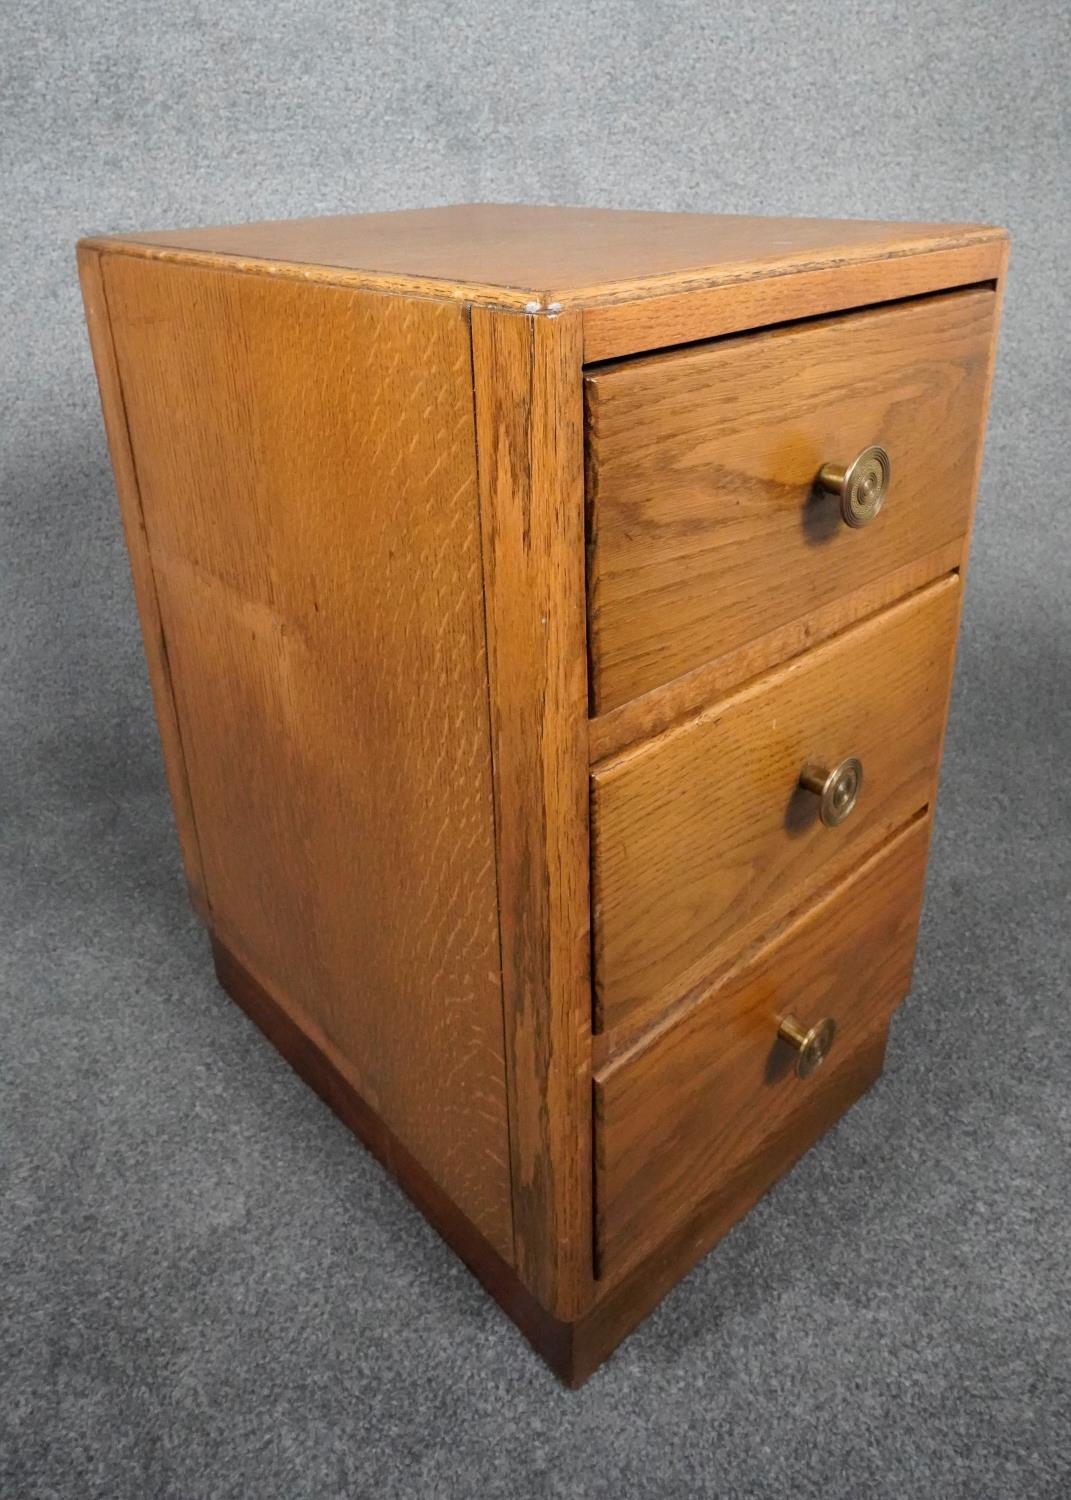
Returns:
point(512, 254)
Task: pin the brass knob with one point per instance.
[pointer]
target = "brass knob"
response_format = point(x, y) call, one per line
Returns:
point(862, 486)
point(811, 1047)
point(838, 789)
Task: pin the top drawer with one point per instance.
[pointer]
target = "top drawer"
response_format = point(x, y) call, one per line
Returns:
point(707, 527)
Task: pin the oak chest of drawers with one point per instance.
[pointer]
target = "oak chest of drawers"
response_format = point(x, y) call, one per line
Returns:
point(551, 615)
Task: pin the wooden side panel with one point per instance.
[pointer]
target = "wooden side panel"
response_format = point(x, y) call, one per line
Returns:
point(707, 529)
point(679, 1117)
point(145, 593)
point(703, 840)
point(530, 438)
point(307, 464)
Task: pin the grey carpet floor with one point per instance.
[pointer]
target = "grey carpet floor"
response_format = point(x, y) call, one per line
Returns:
point(207, 1289)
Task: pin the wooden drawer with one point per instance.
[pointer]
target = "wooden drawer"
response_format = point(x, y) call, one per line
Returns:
point(703, 838)
point(714, 1098)
point(706, 528)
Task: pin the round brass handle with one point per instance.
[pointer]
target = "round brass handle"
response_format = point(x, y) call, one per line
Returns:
point(838, 789)
point(810, 1046)
point(862, 486)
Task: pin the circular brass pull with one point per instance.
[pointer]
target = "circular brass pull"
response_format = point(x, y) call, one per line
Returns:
point(838, 789)
point(862, 486)
point(811, 1047)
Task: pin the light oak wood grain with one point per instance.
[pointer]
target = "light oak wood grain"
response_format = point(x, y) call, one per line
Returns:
point(706, 528)
point(307, 468)
point(510, 254)
point(664, 706)
point(623, 1299)
point(702, 839)
point(141, 568)
point(530, 433)
point(760, 297)
point(679, 1116)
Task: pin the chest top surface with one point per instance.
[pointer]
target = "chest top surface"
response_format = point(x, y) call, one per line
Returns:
point(505, 253)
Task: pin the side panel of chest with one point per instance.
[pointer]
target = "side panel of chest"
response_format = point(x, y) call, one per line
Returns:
point(306, 465)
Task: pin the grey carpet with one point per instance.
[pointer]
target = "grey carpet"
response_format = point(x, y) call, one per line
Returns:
point(206, 1288)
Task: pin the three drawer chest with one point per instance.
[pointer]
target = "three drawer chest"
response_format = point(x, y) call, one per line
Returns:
point(551, 615)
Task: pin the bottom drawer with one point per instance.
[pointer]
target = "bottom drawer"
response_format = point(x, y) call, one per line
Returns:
point(679, 1117)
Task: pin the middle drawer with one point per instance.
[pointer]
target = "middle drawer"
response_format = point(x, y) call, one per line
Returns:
point(704, 839)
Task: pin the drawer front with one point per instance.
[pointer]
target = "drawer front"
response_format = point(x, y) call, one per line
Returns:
point(707, 527)
point(713, 1096)
point(703, 839)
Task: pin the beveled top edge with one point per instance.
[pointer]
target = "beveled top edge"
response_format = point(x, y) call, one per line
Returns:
point(540, 258)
